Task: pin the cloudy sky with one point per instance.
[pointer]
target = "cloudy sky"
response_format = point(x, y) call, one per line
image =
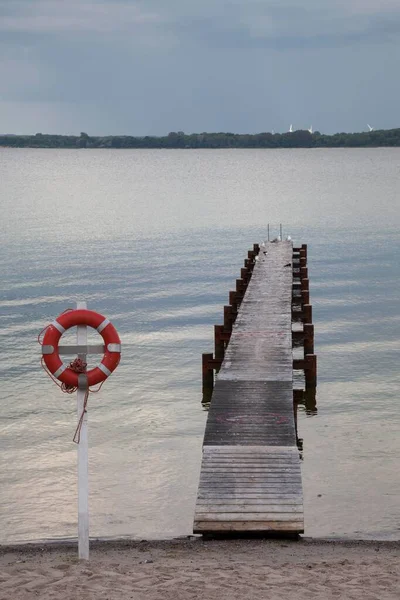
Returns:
point(152, 66)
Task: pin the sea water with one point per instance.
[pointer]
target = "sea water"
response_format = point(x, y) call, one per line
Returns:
point(154, 240)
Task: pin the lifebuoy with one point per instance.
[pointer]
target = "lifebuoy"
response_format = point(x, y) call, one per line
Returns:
point(72, 318)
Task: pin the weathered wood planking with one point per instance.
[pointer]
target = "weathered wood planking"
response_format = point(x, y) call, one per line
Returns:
point(250, 473)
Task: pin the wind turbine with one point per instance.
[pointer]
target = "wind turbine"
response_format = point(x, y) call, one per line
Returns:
point(369, 127)
point(291, 129)
point(311, 129)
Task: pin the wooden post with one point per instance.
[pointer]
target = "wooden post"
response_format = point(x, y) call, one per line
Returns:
point(305, 284)
point(305, 297)
point(240, 290)
point(206, 398)
point(239, 286)
point(310, 400)
point(303, 273)
point(256, 248)
point(83, 469)
point(304, 248)
point(307, 313)
point(297, 316)
point(233, 299)
point(208, 375)
point(219, 345)
point(295, 408)
point(298, 396)
point(228, 318)
point(297, 338)
point(310, 370)
point(308, 338)
point(296, 299)
point(244, 274)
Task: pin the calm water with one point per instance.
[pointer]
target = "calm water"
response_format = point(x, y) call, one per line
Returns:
point(155, 240)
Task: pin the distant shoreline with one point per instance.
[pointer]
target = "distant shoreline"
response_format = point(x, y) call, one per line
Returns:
point(382, 138)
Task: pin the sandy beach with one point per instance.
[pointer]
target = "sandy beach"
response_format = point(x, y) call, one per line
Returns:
point(192, 568)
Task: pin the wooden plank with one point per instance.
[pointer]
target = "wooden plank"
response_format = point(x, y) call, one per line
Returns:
point(216, 475)
point(255, 513)
point(268, 456)
point(228, 479)
point(247, 525)
point(250, 516)
point(245, 495)
point(249, 484)
point(271, 501)
point(271, 466)
point(237, 463)
point(251, 469)
point(220, 473)
point(238, 470)
point(240, 507)
point(278, 487)
point(254, 450)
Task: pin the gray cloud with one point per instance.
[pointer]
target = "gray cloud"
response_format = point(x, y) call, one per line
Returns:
point(248, 22)
point(150, 66)
point(52, 16)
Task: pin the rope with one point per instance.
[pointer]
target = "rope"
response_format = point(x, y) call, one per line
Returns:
point(44, 328)
point(77, 434)
point(78, 366)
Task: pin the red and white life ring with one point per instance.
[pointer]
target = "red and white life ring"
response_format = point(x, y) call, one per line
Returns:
point(72, 318)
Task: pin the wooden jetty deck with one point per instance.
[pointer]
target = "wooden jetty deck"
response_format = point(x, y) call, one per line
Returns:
point(250, 473)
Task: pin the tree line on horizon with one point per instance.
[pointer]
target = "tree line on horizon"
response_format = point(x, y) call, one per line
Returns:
point(179, 139)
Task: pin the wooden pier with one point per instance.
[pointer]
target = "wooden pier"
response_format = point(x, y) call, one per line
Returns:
point(250, 477)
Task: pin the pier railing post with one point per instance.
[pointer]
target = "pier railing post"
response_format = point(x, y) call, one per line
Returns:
point(244, 274)
point(310, 370)
point(228, 320)
point(208, 375)
point(303, 273)
point(233, 299)
point(310, 399)
point(219, 344)
point(305, 297)
point(307, 313)
point(305, 284)
point(308, 338)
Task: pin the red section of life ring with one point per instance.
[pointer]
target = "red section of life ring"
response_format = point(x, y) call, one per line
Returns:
point(73, 318)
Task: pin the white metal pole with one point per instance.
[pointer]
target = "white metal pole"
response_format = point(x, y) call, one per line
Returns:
point(83, 471)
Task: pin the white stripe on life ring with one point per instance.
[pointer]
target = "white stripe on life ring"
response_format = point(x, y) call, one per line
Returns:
point(59, 371)
point(47, 349)
point(114, 348)
point(58, 326)
point(103, 325)
point(104, 369)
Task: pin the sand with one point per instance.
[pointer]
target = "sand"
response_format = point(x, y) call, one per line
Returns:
point(192, 568)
